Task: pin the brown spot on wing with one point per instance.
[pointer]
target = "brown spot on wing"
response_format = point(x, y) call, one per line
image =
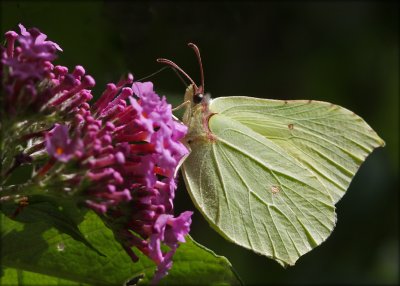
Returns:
point(275, 190)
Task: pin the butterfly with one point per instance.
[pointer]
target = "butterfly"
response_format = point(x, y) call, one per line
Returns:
point(266, 174)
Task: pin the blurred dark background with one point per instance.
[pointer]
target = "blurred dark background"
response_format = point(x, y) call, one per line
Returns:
point(342, 52)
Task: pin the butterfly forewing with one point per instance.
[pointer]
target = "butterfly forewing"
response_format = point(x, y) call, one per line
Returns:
point(329, 140)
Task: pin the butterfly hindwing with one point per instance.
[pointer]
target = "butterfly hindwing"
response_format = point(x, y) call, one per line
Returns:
point(257, 195)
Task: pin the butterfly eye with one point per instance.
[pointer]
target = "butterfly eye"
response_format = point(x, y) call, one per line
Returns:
point(197, 98)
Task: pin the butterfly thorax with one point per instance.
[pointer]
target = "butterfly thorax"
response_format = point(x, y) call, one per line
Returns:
point(196, 116)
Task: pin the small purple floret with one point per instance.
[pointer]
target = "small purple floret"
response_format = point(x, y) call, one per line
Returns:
point(60, 145)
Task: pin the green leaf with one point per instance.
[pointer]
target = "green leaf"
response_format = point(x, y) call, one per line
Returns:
point(194, 264)
point(35, 249)
point(60, 213)
point(18, 277)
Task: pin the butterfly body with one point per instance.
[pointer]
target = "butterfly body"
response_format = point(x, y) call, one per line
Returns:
point(196, 117)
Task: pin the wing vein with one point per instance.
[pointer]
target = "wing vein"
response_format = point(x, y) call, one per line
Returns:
point(248, 197)
point(223, 185)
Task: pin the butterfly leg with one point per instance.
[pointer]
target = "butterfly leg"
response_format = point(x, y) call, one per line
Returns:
point(182, 105)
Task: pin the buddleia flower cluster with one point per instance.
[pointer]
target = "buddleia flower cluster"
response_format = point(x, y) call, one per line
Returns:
point(117, 156)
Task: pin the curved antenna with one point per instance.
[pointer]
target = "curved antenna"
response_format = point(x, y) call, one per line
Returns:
point(180, 76)
point(197, 51)
point(153, 74)
point(174, 65)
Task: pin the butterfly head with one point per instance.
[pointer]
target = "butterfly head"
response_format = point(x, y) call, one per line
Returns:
point(198, 98)
point(195, 96)
point(194, 93)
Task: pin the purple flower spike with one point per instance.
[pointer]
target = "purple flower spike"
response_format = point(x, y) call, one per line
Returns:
point(126, 148)
point(59, 144)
